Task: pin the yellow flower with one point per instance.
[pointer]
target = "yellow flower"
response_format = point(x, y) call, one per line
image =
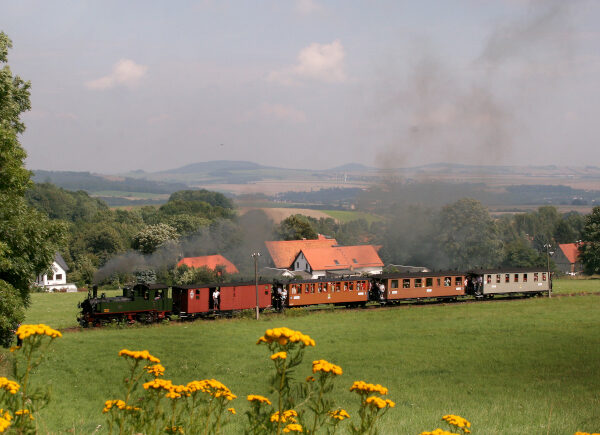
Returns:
point(174, 429)
point(285, 416)
point(340, 414)
point(232, 410)
point(26, 331)
point(258, 398)
point(24, 412)
point(376, 402)
point(292, 428)
point(11, 386)
point(156, 370)
point(456, 420)
point(438, 432)
point(212, 387)
point(118, 404)
point(310, 379)
point(5, 419)
point(326, 367)
point(586, 433)
point(285, 335)
point(279, 355)
point(364, 388)
point(139, 354)
point(14, 348)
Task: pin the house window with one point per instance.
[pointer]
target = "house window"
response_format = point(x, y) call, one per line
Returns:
point(447, 281)
point(516, 277)
point(394, 283)
point(428, 282)
point(498, 278)
point(507, 277)
point(536, 277)
point(58, 276)
point(406, 283)
point(489, 279)
point(524, 277)
point(418, 282)
point(297, 265)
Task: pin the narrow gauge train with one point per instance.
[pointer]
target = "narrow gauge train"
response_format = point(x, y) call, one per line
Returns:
point(153, 302)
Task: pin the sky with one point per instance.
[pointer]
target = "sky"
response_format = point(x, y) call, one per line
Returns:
point(154, 85)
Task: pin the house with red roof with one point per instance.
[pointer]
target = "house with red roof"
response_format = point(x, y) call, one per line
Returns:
point(210, 262)
point(338, 260)
point(283, 252)
point(567, 258)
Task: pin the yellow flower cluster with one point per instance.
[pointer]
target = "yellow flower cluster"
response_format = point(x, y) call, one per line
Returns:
point(173, 391)
point(279, 355)
point(438, 432)
point(26, 331)
point(284, 336)
point(232, 410)
point(586, 433)
point(11, 386)
point(379, 403)
point(139, 354)
point(285, 416)
point(458, 421)
point(109, 404)
point(176, 391)
point(156, 370)
point(292, 428)
point(174, 429)
point(364, 388)
point(14, 348)
point(326, 367)
point(340, 414)
point(24, 412)
point(310, 379)
point(257, 398)
point(212, 387)
point(5, 419)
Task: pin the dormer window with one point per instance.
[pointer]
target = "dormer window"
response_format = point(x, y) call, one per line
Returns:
point(336, 262)
point(355, 261)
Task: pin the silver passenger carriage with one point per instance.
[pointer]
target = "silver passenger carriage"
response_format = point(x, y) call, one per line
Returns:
point(527, 281)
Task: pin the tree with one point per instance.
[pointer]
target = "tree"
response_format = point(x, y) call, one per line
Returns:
point(296, 227)
point(468, 235)
point(28, 239)
point(519, 254)
point(153, 237)
point(589, 251)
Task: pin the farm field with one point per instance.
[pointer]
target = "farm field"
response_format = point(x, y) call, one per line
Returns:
point(519, 367)
point(349, 215)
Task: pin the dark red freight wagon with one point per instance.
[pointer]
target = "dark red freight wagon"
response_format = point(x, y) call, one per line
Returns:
point(422, 285)
point(243, 296)
point(191, 300)
point(351, 291)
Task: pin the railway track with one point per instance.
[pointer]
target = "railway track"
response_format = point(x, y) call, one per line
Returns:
point(411, 303)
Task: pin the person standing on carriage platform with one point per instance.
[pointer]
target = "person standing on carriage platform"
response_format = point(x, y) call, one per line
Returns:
point(216, 299)
point(282, 300)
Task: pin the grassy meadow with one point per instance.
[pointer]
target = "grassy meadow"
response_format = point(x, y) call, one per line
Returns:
point(527, 366)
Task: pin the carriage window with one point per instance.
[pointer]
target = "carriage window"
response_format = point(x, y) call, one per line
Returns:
point(439, 282)
point(458, 280)
point(320, 287)
point(406, 283)
point(524, 277)
point(146, 295)
point(447, 281)
point(418, 282)
point(312, 288)
point(498, 278)
point(197, 294)
point(428, 282)
point(305, 288)
point(394, 283)
point(351, 286)
point(507, 277)
point(345, 286)
point(489, 279)
point(516, 277)
point(535, 277)
point(543, 276)
point(338, 286)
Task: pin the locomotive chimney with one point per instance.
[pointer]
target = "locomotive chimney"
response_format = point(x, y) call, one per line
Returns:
point(95, 291)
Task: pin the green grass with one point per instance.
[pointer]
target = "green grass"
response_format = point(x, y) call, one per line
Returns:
point(345, 216)
point(575, 285)
point(509, 367)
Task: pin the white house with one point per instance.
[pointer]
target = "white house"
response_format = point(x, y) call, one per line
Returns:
point(56, 280)
point(338, 260)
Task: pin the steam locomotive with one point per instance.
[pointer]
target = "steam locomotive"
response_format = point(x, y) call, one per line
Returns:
point(148, 303)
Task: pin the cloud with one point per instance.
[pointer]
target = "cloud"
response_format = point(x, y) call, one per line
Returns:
point(307, 7)
point(281, 112)
point(319, 62)
point(125, 73)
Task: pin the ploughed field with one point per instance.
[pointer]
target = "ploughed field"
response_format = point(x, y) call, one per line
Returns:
point(528, 366)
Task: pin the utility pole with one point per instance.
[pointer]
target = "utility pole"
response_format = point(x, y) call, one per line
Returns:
point(255, 255)
point(548, 254)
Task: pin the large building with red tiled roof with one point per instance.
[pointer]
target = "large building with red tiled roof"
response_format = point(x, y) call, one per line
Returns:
point(321, 261)
point(283, 252)
point(567, 258)
point(209, 261)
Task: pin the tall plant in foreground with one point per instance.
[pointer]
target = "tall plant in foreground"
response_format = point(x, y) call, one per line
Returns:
point(21, 400)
